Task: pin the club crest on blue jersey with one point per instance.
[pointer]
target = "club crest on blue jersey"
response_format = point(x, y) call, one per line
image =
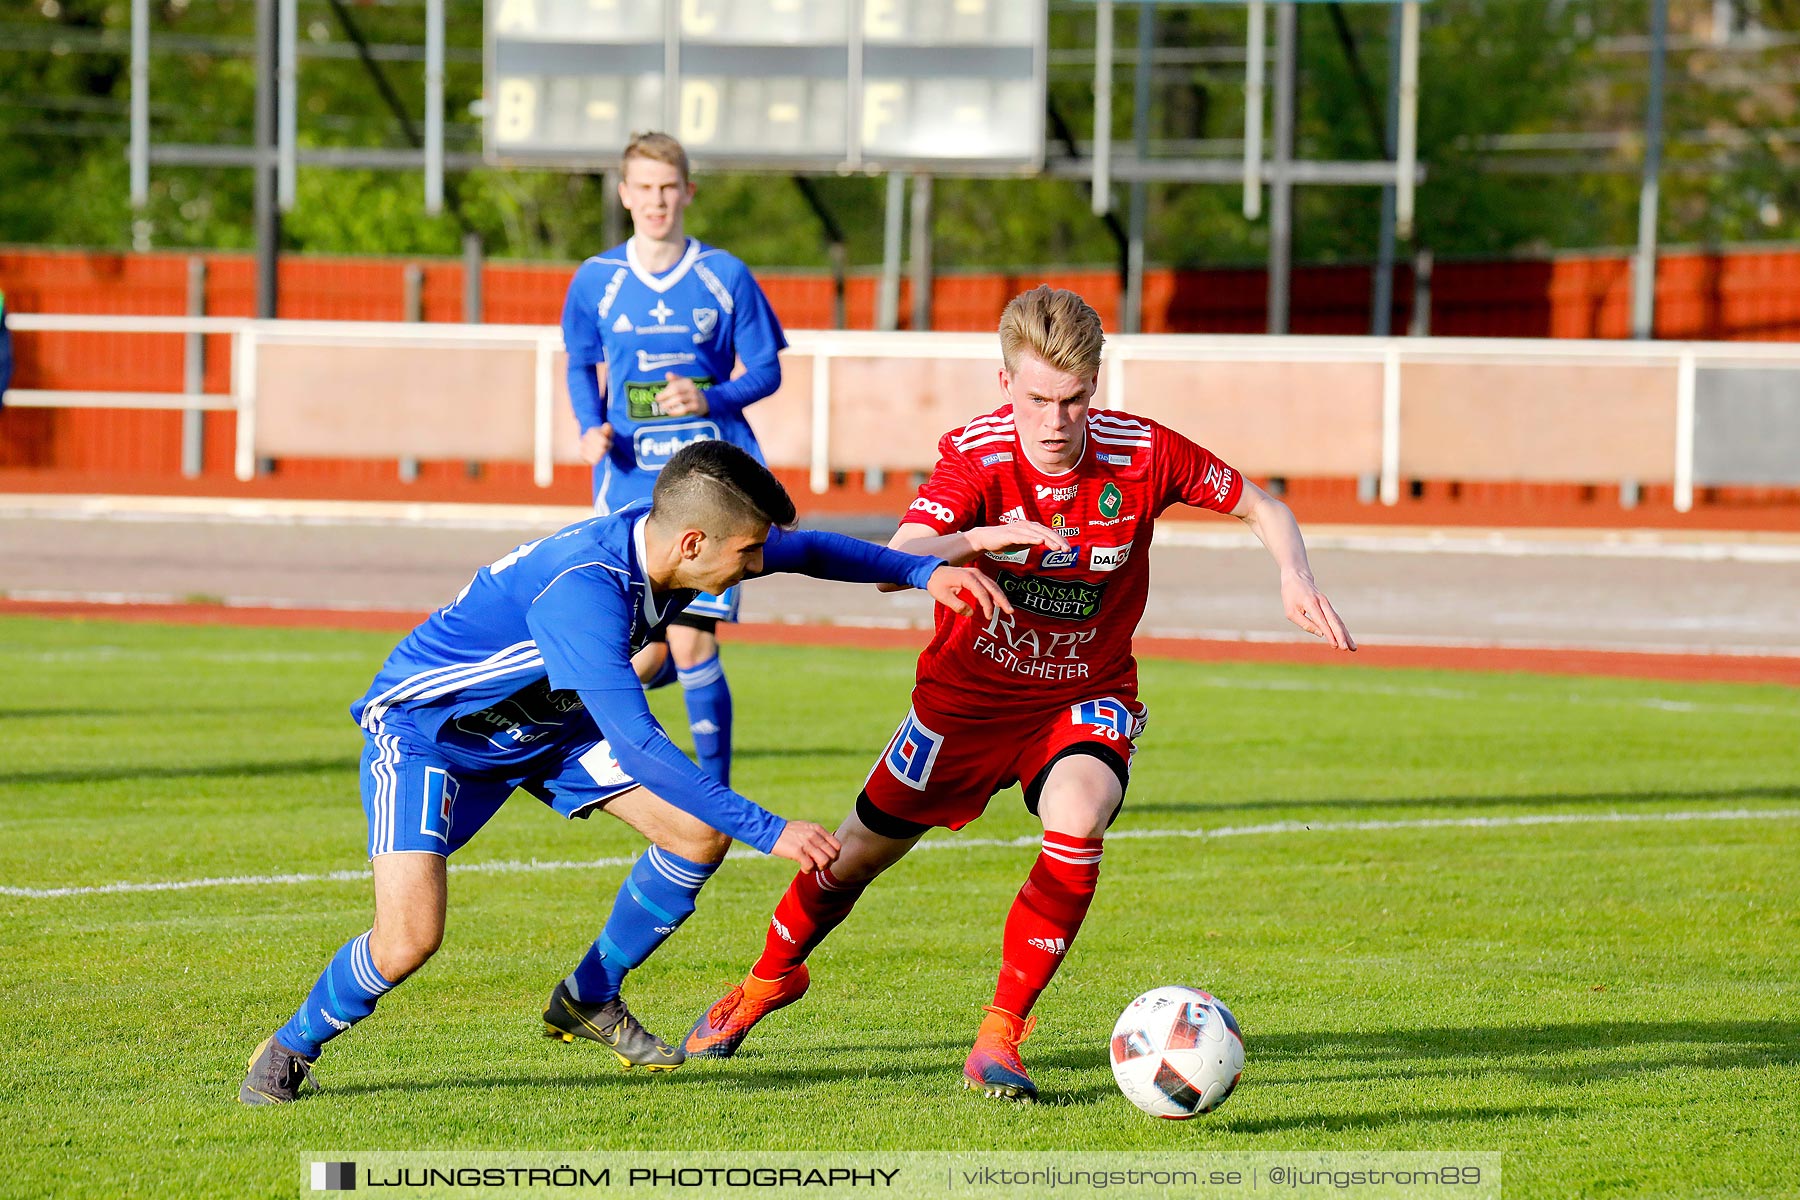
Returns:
point(913, 752)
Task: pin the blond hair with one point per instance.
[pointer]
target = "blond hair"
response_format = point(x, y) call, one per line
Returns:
point(1054, 325)
point(657, 147)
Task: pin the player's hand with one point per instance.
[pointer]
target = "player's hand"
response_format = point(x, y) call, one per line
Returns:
point(595, 443)
point(682, 397)
point(1307, 607)
point(951, 587)
point(812, 846)
point(1015, 535)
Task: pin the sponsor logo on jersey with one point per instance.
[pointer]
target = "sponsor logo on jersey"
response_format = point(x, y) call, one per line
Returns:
point(611, 293)
point(1056, 560)
point(641, 403)
point(932, 508)
point(1059, 599)
point(998, 456)
point(1057, 495)
point(913, 752)
point(1110, 500)
point(1061, 524)
point(705, 321)
point(1010, 556)
point(662, 312)
point(1218, 479)
point(622, 325)
point(648, 362)
point(1015, 513)
point(655, 445)
point(1057, 946)
point(1051, 655)
point(1115, 460)
point(1108, 558)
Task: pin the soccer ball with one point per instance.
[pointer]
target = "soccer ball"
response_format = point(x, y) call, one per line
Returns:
point(1177, 1052)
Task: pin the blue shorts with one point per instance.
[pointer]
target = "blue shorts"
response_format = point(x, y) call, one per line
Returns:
point(416, 799)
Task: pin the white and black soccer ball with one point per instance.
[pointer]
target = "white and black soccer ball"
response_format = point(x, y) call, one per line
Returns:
point(1177, 1052)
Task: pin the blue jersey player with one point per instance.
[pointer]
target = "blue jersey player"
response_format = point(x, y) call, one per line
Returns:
point(667, 319)
point(524, 682)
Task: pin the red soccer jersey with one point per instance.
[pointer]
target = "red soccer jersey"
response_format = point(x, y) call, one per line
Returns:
point(1068, 638)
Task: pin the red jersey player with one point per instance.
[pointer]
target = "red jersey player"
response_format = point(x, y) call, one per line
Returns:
point(1057, 503)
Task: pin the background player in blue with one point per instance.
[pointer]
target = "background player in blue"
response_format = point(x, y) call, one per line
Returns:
point(668, 318)
point(524, 681)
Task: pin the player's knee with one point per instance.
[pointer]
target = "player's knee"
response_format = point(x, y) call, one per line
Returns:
point(1081, 805)
point(696, 842)
point(401, 947)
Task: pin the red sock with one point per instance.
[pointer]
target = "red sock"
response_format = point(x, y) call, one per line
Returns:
point(1045, 918)
point(815, 904)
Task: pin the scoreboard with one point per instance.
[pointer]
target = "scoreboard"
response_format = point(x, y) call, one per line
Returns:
point(823, 85)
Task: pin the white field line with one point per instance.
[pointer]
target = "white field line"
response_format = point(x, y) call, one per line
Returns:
point(953, 843)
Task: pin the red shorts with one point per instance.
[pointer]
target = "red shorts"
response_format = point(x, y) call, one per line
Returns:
point(940, 770)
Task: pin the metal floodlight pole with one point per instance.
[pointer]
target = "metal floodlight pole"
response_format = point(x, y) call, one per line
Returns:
point(1281, 198)
point(1256, 57)
point(1381, 323)
point(1407, 136)
point(1140, 190)
point(921, 251)
point(268, 215)
point(1643, 275)
point(887, 315)
point(1103, 85)
point(287, 74)
point(434, 106)
point(140, 103)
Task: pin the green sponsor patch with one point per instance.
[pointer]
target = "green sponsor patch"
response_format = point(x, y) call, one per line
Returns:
point(640, 398)
point(1062, 599)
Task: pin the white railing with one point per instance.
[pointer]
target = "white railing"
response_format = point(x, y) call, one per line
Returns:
point(1390, 356)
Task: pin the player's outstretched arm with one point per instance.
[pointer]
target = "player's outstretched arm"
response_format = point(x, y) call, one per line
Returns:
point(961, 547)
point(958, 548)
point(835, 556)
point(1305, 605)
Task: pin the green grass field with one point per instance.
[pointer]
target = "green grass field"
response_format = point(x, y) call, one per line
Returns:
point(1613, 1004)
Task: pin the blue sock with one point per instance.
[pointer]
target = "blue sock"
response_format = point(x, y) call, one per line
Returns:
point(656, 897)
point(709, 716)
point(345, 993)
point(665, 674)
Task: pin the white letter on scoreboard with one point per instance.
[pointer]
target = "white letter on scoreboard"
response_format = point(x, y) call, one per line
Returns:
point(881, 18)
point(517, 118)
point(880, 100)
point(696, 21)
point(699, 110)
point(517, 16)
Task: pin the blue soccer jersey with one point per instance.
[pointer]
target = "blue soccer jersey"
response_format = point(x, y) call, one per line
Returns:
point(696, 319)
point(541, 640)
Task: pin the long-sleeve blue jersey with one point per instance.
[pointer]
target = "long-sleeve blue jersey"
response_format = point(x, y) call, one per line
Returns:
point(549, 630)
point(696, 319)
